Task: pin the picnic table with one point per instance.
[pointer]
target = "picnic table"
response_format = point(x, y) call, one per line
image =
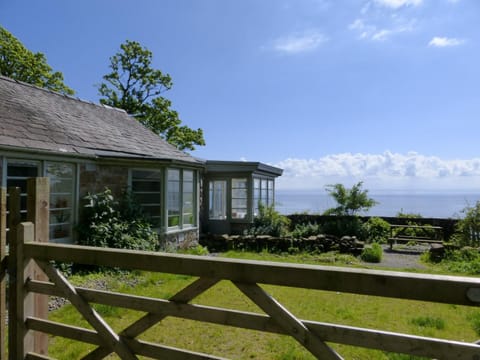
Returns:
point(421, 234)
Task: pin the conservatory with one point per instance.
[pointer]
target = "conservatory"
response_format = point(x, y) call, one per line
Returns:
point(233, 191)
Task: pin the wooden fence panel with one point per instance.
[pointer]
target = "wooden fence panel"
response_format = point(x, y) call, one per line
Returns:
point(38, 212)
point(372, 281)
point(3, 272)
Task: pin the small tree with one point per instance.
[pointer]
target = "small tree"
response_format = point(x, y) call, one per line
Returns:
point(19, 63)
point(349, 201)
point(136, 87)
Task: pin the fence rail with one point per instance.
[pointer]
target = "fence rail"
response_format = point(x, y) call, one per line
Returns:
point(29, 327)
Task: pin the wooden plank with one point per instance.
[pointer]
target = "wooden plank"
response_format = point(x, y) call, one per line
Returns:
point(288, 322)
point(34, 356)
point(63, 330)
point(38, 212)
point(166, 352)
point(185, 295)
point(20, 304)
point(428, 287)
point(109, 337)
point(3, 272)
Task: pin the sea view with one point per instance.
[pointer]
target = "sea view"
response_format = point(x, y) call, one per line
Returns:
point(433, 205)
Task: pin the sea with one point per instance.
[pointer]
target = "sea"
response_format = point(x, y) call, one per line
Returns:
point(390, 203)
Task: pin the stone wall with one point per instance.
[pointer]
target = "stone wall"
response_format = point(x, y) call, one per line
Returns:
point(94, 178)
point(182, 239)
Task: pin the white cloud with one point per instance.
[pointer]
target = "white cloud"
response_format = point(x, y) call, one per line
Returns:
point(299, 42)
point(438, 41)
point(395, 4)
point(369, 31)
point(381, 171)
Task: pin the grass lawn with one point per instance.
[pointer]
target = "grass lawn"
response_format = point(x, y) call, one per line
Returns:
point(413, 317)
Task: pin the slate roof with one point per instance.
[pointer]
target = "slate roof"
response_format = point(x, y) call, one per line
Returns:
point(39, 119)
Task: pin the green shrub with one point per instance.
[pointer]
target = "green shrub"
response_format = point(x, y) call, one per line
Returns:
point(305, 230)
point(372, 253)
point(377, 230)
point(344, 226)
point(468, 229)
point(105, 223)
point(269, 222)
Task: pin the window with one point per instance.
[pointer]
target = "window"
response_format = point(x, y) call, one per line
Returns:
point(181, 198)
point(256, 195)
point(18, 171)
point(217, 200)
point(188, 197)
point(62, 189)
point(263, 192)
point(173, 197)
point(147, 190)
point(239, 198)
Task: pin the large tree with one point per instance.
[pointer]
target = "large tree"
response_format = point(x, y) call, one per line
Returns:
point(349, 201)
point(19, 63)
point(136, 87)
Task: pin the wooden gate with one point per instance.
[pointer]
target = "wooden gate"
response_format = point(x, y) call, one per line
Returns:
point(245, 275)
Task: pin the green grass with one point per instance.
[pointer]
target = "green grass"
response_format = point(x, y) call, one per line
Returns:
point(437, 320)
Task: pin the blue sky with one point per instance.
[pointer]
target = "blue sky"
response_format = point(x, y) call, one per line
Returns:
point(384, 91)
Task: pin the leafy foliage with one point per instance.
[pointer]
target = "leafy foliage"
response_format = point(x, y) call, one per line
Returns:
point(377, 230)
point(106, 224)
point(19, 63)
point(349, 201)
point(269, 222)
point(136, 87)
point(468, 229)
point(463, 261)
point(345, 225)
point(305, 230)
point(372, 253)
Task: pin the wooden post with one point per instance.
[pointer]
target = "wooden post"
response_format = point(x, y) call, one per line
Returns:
point(20, 303)
point(3, 272)
point(38, 199)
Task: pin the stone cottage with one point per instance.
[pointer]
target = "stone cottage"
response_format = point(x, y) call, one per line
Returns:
point(84, 147)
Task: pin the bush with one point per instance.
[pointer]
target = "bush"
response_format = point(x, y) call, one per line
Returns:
point(468, 229)
point(105, 223)
point(269, 222)
point(344, 226)
point(305, 230)
point(372, 253)
point(377, 230)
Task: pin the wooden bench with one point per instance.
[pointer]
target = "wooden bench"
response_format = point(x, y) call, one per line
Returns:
point(423, 234)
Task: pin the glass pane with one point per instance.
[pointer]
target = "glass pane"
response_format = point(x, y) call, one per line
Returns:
point(239, 183)
point(236, 203)
point(173, 174)
point(146, 186)
point(62, 188)
point(146, 190)
point(188, 175)
point(239, 193)
point(218, 200)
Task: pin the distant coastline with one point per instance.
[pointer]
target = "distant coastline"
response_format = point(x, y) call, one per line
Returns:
point(428, 204)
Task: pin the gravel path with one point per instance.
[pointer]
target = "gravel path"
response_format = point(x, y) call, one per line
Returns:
point(402, 257)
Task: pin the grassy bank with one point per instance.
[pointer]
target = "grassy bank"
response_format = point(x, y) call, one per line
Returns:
point(426, 319)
